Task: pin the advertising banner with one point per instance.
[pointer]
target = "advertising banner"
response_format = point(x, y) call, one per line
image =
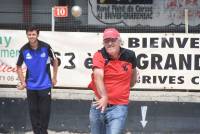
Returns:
point(143, 12)
point(165, 61)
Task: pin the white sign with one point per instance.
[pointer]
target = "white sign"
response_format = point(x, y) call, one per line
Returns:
point(60, 11)
point(160, 13)
point(165, 61)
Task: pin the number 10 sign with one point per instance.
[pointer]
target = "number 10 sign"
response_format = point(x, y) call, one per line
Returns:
point(60, 11)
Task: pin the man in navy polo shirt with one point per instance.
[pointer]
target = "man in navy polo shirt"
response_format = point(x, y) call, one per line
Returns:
point(37, 55)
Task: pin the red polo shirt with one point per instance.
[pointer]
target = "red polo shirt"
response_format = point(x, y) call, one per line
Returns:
point(117, 74)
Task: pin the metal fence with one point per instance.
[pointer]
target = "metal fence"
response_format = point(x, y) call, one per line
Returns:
point(40, 15)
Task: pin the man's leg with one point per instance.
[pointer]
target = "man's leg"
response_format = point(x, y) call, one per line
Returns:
point(32, 98)
point(116, 119)
point(45, 109)
point(97, 122)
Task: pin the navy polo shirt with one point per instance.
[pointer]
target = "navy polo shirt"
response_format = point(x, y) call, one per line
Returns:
point(38, 76)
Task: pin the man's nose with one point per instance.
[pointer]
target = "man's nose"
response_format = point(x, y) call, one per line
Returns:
point(110, 42)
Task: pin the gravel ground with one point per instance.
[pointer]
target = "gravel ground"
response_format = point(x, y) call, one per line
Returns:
point(52, 132)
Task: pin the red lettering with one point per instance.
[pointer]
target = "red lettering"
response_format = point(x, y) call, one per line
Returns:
point(6, 68)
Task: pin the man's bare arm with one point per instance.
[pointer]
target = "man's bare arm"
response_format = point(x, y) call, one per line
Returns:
point(20, 74)
point(99, 82)
point(134, 77)
point(55, 70)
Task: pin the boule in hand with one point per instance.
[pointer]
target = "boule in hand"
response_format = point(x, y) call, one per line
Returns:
point(20, 86)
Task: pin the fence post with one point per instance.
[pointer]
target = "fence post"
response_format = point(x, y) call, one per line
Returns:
point(186, 21)
point(52, 20)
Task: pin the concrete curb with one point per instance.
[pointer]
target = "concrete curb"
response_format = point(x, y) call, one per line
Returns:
point(75, 94)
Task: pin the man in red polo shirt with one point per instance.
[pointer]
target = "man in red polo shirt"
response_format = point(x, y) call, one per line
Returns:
point(114, 72)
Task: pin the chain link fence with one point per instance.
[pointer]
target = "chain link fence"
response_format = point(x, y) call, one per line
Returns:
point(19, 15)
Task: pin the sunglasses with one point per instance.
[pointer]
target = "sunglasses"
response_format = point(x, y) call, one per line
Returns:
point(108, 40)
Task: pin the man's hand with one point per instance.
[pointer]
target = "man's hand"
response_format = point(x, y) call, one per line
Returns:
point(21, 85)
point(102, 103)
point(54, 81)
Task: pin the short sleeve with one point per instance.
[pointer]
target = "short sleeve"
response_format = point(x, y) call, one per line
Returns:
point(20, 59)
point(51, 53)
point(98, 61)
point(133, 60)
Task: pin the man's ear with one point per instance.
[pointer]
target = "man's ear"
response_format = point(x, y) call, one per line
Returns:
point(121, 41)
